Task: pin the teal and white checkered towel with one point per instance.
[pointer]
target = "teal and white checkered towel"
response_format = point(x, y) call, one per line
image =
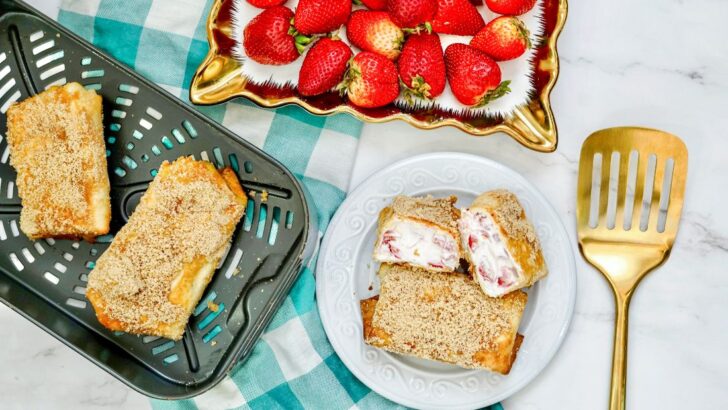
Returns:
point(293, 365)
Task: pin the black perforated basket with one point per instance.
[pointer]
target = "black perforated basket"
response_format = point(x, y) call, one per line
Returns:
point(45, 280)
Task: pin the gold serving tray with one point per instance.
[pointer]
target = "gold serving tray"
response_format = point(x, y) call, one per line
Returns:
point(219, 78)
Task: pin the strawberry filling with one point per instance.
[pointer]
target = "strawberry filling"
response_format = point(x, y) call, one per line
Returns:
point(387, 240)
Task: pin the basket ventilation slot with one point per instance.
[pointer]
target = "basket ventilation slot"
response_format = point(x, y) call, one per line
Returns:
point(51, 278)
point(79, 304)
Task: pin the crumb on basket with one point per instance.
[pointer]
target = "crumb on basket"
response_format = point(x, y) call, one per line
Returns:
point(252, 194)
point(213, 343)
point(264, 196)
point(213, 306)
point(236, 271)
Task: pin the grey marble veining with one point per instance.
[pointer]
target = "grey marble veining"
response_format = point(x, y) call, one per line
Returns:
point(661, 64)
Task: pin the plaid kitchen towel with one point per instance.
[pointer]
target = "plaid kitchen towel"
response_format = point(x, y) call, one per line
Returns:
point(293, 365)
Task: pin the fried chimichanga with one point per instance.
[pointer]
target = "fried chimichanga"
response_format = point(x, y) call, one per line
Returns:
point(157, 267)
point(420, 232)
point(57, 148)
point(443, 317)
point(501, 244)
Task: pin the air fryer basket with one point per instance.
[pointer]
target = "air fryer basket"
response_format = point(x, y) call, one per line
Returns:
point(45, 280)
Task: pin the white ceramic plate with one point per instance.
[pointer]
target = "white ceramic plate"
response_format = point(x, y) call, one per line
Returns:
point(347, 274)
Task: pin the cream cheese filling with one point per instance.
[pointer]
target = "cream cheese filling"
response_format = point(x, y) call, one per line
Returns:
point(405, 240)
point(494, 266)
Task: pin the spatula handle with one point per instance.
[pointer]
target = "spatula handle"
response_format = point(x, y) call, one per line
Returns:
point(618, 391)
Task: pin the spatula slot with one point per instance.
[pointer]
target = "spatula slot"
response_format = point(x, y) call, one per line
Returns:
point(595, 188)
point(613, 189)
point(665, 195)
point(647, 192)
point(634, 157)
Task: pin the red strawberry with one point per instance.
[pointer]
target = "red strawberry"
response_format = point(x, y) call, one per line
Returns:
point(321, 16)
point(375, 31)
point(267, 37)
point(422, 66)
point(504, 38)
point(265, 4)
point(411, 13)
point(324, 66)
point(474, 78)
point(375, 4)
point(510, 7)
point(371, 80)
point(457, 17)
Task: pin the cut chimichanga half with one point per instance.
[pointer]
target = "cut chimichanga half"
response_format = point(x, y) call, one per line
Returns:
point(420, 232)
point(501, 244)
point(443, 317)
point(157, 267)
point(57, 148)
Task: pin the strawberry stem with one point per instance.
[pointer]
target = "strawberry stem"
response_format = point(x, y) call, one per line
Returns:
point(419, 28)
point(407, 93)
point(523, 31)
point(494, 94)
point(351, 74)
point(301, 40)
point(419, 89)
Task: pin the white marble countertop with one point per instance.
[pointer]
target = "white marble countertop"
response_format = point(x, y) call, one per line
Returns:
point(661, 64)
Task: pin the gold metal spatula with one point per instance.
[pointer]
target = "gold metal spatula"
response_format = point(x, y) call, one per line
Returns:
point(628, 205)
